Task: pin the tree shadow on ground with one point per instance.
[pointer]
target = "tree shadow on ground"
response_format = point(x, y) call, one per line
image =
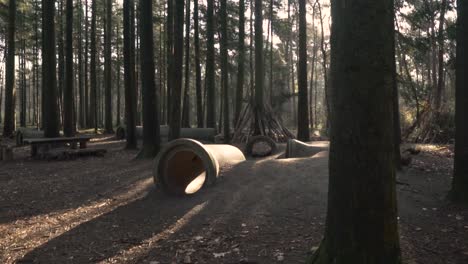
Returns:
point(31, 188)
point(260, 205)
point(128, 226)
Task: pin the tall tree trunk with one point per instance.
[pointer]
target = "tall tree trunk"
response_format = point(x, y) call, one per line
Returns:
point(170, 56)
point(129, 68)
point(1, 91)
point(324, 68)
point(224, 71)
point(186, 102)
point(22, 73)
point(459, 191)
point(68, 123)
point(288, 58)
point(198, 84)
point(312, 86)
point(61, 59)
point(271, 55)
point(137, 65)
point(259, 73)
point(303, 132)
point(175, 122)
point(108, 68)
point(162, 72)
point(362, 225)
point(118, 66)
point(36, 66)
point(440, 43)
point(86, 79)
point(49, 81)
point(240, 62)
point(251, 53)
point(150, 116)
point(93, 116)
point(396, 112)
point(210, 67)
point(291, 65)
point(81, 105)
point(22, 87)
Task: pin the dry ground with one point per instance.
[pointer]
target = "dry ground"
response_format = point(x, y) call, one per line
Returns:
point(262, 211)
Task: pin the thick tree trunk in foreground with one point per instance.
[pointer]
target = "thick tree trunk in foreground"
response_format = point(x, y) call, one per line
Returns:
point(460, 178)
point(175, 122)
point(148, 86)
point(108, 69)
point(210, 67)
point(129, 74)
point(361, 224)
point(259, 74)
point(9, 118)
point(49, 81)
point(68, 118)
point(303, 133)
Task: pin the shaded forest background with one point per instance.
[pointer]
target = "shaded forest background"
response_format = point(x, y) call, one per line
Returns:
point(425, 53)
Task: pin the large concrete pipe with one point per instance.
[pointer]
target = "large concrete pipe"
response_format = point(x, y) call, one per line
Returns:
point(23, 132)
point(120, 132)
point(202, 134)
point(299, 149)
point(184, 166)
point(260, 146)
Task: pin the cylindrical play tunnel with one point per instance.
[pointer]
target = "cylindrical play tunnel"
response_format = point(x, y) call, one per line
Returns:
point(184, 166)
point(203, 134)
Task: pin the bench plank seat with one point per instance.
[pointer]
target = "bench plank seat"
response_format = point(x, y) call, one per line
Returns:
point(47, 142)
point(56, 140)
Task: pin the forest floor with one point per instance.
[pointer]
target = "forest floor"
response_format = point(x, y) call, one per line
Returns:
point(262, 211)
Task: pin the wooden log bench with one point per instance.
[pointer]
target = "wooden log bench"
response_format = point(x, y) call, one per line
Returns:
point(48, 143)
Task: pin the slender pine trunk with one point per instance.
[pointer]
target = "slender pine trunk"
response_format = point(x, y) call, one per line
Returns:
point(68, 120)
point(210, 67)
point(303, 106)
point(240, 63)
point(108, 125)
point(198, 84)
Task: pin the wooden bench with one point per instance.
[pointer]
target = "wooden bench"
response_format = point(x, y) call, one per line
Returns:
point(48, 142)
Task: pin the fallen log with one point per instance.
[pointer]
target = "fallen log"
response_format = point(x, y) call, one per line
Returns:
point(23, 133)
point(202, 134)
point(299, 149)
point(184, 166)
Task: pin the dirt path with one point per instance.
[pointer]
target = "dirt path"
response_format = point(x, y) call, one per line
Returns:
point(264, 211)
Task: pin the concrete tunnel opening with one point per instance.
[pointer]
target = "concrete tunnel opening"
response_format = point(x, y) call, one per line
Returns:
point(185, 166)
point(184, 172)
